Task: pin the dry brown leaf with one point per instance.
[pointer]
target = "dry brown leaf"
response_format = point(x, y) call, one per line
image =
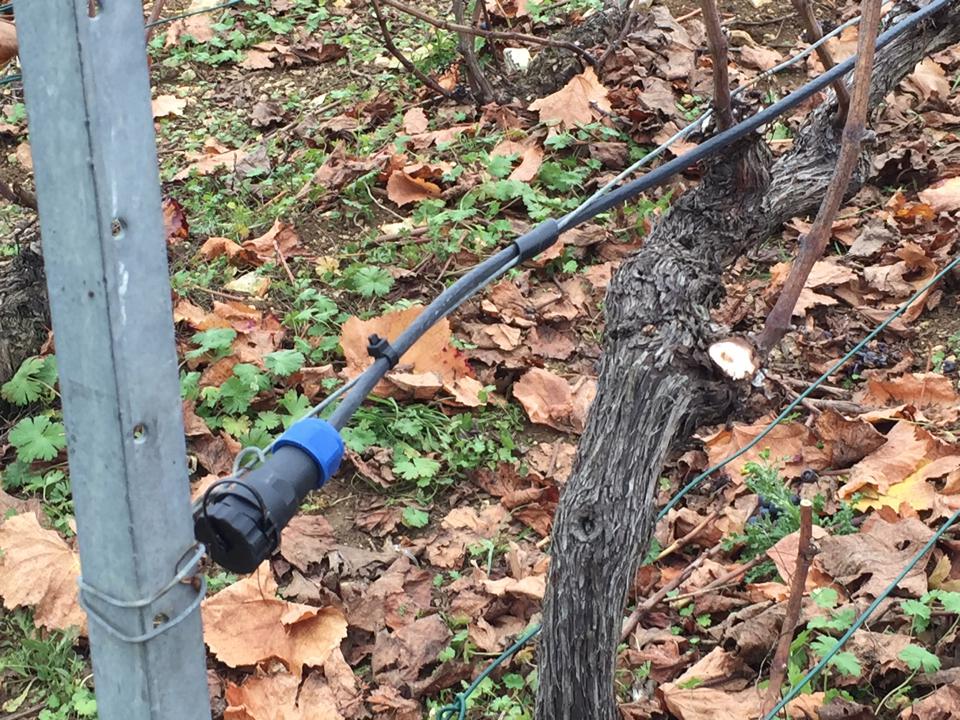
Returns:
point(574, 103)
point(940, 705)
point(394, 599)
point(198, 26)
point(532, 586)
point(404, 189)
point(215, 247)
point(791, 447)
point(784, 556)
point(530, 154)
point(415, 121)
point(281, 697)
point(408, 650)
point(388, 704)
point(431, 355)
point(943, 196)
point(759, 57)
point(928, 80)
point(846, 441)
point(8, 42)
point(247, 623)
point(931, 392)
point(39, 570)
point(508, 8)
point(871, 559)
point(167, 105)
point(280, 235)
point(907, 449)
point(214, 157)
point(550, 400)
point(307, 539)
point(462, 528)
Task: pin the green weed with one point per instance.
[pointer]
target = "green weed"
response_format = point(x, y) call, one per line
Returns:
point(42, 668)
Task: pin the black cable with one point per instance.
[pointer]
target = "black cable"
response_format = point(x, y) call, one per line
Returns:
point(721, 140)
point(545, 234)
point(445, 303)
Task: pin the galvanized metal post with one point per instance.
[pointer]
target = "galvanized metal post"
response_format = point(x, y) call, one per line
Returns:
point(94, 154)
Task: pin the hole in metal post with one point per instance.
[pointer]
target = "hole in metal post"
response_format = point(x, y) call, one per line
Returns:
point(139, 433)
point(117, 227)
point(94, 7)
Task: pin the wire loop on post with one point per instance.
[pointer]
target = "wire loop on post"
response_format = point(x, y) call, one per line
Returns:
point(181, 575)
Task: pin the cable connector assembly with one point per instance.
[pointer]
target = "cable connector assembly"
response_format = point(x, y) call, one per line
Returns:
point(378, 347)
point(240, 519)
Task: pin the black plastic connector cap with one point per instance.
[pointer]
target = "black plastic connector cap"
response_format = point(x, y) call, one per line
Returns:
point(240, 519)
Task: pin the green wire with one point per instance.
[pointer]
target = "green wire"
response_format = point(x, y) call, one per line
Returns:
point(162, 21)
point(864, 616)
point(806, 393)
point(459, 704)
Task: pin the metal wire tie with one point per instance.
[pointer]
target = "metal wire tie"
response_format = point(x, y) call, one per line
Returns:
point(144, 602)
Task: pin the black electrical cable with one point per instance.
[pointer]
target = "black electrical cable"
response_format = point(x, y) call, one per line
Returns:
point(545, 234)
point(721, 140)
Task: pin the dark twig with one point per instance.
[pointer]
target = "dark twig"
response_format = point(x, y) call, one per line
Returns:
point(482, 90)
point(813, 244)
point(651, 602)
point(721, 75)
point(154, 16)
point(805, 551)
point(625, 29)
point(392, 49)
point(18, 195)
point(492, 34)
point(814, 32)
point(689, 537)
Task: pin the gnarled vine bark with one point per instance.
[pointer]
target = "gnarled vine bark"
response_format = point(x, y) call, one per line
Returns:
point(656, 384)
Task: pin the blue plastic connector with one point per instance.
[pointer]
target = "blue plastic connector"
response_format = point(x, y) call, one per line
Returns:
point(318, 439)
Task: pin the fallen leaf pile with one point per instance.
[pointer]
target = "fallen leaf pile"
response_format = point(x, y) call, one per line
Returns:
point(395, 586)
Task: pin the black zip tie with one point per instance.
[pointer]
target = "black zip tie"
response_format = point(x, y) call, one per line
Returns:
point(163, 627)
point(378, 347)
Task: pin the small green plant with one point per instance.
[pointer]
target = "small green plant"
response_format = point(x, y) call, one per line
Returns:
point(38, 438)
point(817, 638)
point(41, 667)
point(778, 516)
point(34, 381)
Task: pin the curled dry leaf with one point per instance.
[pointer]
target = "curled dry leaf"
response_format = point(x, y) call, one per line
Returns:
point(405, 653)
point(907, 449)
point(432, 356)
point(931, 392)
point(415, 121)
point(175, 224)
point(281, 697)
point(404, 189)
point(530, 154)
point(943, 196)
point(280, 237)
point(214, 157)
point(39, 570)
point(578, 102)
point(870, 560)
point(247, 623)
point(8, 42)
point(167, 105)
point(551, 400)
point(792, 448)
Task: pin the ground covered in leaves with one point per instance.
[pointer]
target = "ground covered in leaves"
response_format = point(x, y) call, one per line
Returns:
point(316, 193)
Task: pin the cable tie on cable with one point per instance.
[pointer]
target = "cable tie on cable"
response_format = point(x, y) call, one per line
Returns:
point(537, 240)
point(378, 347)
point(187, 570)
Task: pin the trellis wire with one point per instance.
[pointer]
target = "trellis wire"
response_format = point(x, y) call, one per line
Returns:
point(698, 123)
point(459, 703)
